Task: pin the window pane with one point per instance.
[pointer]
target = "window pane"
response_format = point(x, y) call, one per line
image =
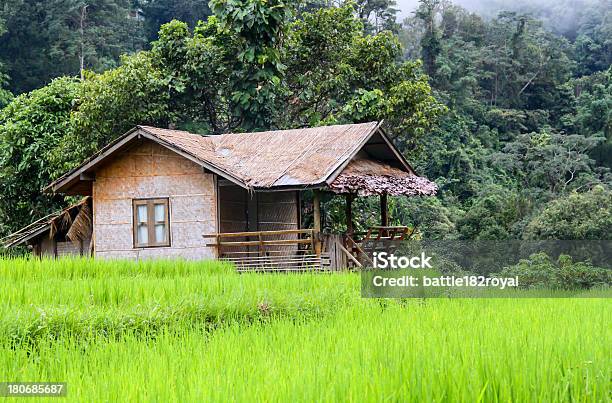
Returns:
point(160, 233)
point(143, 234)
point(142, 213)
point(160, 212)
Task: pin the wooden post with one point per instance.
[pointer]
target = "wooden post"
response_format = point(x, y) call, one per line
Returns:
point(316, 201)
point(349, 214)
point(384, 211)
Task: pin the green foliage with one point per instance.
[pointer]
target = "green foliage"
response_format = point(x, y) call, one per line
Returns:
point(592, 112)
point(336, 73)
point(540, 271)
point(593, 45)
point(430, 41)
point(259, 27)
point(159, 12)
point(5, 95)
point(111, 103)
point(520, 131)
point(31, 126)
point(427, 216)
point(491, 215)
point(549, 161)
point(378, 15)
point(575, 216)
point(47, 39)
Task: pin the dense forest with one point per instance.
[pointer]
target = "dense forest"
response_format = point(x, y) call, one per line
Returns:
point(508, 110)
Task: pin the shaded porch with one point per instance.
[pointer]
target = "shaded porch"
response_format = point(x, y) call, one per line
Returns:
point(264, 230)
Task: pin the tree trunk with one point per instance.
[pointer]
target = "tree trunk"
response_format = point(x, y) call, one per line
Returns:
point(82, 32)
point(350, 230)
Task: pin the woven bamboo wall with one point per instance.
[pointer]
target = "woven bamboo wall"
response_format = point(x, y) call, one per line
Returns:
point(151, 171)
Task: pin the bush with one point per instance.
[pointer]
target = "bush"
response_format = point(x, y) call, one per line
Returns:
point(540, 271)
point(577, 216)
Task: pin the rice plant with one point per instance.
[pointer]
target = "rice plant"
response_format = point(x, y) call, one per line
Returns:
point(181, 331)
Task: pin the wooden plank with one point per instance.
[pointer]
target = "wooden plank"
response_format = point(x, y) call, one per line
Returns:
point(349, 255)
point(274, 263)
point(273, 257)
point(349, 214)
point(360, 250)
point(316, 200)
point(255, 233)
point(384, 210)
point(283, 270)
point(277, 242)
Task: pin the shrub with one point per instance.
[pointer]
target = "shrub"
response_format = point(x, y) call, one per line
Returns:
point(540, 271)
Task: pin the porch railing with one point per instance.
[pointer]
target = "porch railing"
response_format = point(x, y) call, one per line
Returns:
point(280, 250)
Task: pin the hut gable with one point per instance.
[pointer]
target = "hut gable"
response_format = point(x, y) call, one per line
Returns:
point(148, 171)
point(65, 232)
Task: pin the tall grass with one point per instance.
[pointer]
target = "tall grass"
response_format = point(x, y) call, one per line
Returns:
point(83, 297)
point(178, 331)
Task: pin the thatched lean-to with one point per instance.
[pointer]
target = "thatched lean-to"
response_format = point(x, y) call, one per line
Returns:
point(368, 178)
point(68, 230)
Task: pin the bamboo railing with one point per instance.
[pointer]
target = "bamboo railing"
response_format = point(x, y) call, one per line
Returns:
point(280, 250)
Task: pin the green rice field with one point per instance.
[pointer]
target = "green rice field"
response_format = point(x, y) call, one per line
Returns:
point(176, 331)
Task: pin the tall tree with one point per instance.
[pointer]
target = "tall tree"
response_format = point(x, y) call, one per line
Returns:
point(378, 15)
point(430, 42)
point(47, 39)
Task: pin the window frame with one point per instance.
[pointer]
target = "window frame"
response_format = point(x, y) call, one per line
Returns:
point(150, 203)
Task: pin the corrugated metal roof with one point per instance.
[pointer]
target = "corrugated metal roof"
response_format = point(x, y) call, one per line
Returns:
point(273, 158)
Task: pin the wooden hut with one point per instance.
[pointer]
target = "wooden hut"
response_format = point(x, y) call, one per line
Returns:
point(160, 193)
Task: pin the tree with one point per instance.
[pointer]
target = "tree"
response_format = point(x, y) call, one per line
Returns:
point(593, 45)
point(430, 42)
point(159, 12)
point(337, 73)
point(109, 104)
point(47, 39)
point(591, 114)
point(259, 27)
point(30, 127)
point(5, 95)
point(378, 15)
point(491, 214)
point(550, 161)
point(575, 216)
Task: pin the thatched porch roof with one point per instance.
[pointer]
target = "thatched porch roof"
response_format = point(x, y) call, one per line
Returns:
point(366, 177)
